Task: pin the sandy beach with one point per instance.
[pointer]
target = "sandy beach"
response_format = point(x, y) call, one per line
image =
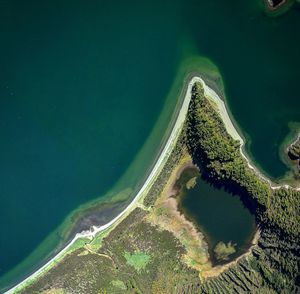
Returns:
point(90, 234)
point(232, 131)
point(171, 142)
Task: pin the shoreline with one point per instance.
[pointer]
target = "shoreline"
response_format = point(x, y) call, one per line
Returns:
point(293, 164)
point(244, 250)
point(159, 164)
point(275, 10)
point(166, 151)
point(171, 201)
point(273, 6)
point(233, 132)
point(166, 216)
point(219, 269)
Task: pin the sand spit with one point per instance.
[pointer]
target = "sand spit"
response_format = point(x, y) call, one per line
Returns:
point(171, 142)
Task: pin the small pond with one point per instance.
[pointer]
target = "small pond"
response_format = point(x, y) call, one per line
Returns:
point(219, 214)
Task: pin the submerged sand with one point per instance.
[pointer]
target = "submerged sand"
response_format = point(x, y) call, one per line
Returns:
point(171, 142)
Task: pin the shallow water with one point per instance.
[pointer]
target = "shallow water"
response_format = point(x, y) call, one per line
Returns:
point(82, 86)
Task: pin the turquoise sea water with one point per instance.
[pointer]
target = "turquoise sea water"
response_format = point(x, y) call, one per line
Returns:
point(83, 84)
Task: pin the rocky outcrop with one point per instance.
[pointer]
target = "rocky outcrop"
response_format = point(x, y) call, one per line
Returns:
point(275, 3)
point(294, 152)
point(294, 149)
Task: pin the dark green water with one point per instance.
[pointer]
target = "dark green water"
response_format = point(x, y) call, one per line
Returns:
point(259, 61)
point(83, 84)
point(221, 215)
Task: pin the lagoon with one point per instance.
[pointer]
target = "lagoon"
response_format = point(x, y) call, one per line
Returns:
point(220, 215)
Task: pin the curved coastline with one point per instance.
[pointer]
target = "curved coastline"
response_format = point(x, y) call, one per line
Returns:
point(292, 137)
point(211, 94)
point(153, 145)
point(90, 234)
point(166, 151)
point(133, 178)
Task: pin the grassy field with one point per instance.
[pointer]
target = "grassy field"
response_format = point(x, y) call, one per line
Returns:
point(127, 262)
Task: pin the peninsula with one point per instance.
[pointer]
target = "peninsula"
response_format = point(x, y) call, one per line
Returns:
point(122, 256)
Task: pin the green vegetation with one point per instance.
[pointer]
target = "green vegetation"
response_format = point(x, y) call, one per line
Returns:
point(164, 175)
point(136, 257)
point(222, 251)
point(273, 263)
point(209, 141)
point(97, 241)
point(78, 244)
point(294, 149)
point(118, 284)
point(140, 257)
point(294, 153)
point(191, 183)
point(138, 260)
point(219, 154)
point(285, 210)
point(188, 178)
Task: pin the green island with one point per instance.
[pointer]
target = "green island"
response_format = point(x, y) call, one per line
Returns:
point(152, 247)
